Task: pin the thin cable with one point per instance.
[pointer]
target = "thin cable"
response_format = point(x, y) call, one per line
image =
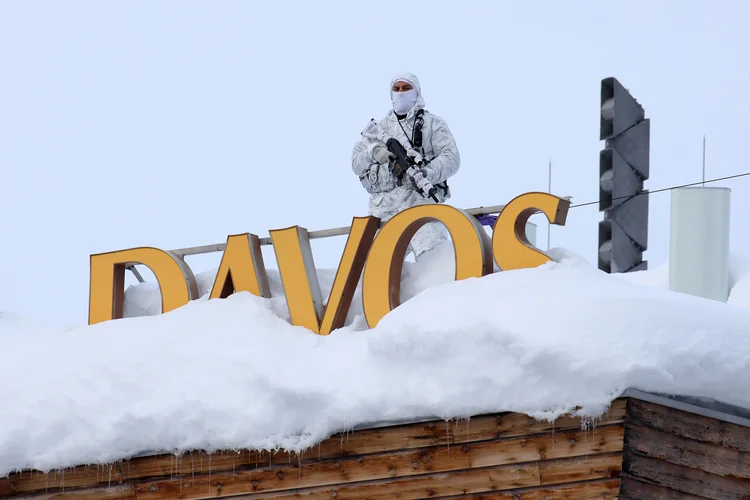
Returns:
point(665, 189)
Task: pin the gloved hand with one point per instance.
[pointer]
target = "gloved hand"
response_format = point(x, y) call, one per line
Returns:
point(414, 155)
point(382, 155)
point(421, 184)
point(374, 132)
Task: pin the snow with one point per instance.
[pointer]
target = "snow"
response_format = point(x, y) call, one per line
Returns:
point(739, 279)
point(233, 373)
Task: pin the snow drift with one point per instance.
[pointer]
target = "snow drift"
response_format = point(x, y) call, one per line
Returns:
point(233, 373)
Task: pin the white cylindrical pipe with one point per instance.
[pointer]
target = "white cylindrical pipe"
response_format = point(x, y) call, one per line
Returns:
point(699, 242)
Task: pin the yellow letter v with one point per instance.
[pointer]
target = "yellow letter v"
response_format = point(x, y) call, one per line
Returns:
point(300, 279)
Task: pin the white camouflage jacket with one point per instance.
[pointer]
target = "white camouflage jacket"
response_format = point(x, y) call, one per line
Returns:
point(438, 146)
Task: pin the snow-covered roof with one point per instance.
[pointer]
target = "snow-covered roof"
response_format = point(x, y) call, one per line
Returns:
point(708, 407)
point(233, 373)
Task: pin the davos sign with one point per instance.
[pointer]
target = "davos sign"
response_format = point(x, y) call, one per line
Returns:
point(379, 254)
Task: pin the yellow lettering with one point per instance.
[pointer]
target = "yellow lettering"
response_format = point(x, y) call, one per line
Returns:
point(382, 277)
point(107, 283)
point(300, 280)
point(511, 247)
point(241, 269)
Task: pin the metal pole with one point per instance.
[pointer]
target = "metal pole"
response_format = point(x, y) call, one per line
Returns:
point(324, 233)
point(135, 272)
point(704, 160)
point(549, 190)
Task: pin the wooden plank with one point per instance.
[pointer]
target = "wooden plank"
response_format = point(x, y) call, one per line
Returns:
point(684, 479)
point(77, 477)
point(384, 439)
point(607, 489)
point(688, 425)
point(432, 485)
point(458, 432)
point(391, 465)
point(581, 469)
point(491, 479)
point(113, 492)
point(713, 458)
point(633, 489)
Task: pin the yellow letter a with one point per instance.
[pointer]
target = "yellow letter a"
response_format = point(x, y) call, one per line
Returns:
point(241, 268)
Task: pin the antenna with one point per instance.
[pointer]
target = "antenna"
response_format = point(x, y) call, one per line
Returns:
point(549, 190)
point(704, 160)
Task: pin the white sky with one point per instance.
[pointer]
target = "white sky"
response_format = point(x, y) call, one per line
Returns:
point(174, 124)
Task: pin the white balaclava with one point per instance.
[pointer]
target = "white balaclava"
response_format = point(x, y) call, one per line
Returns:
point(404, 101)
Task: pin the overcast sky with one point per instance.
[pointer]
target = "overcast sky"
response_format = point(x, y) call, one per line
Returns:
point(173, 124)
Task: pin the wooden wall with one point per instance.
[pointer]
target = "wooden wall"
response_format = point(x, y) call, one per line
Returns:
point(673, 454)
point(638, 450)
point(504, 456)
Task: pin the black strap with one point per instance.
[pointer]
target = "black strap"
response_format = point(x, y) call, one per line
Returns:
point(416, 131)
point(416, 142)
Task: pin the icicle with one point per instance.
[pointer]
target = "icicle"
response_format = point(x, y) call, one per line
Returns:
point(209, 471)
point(553, 434)
point(448, 437)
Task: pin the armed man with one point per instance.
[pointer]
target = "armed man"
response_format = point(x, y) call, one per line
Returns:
point(405, 159)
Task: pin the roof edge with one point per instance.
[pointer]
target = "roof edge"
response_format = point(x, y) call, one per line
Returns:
point(706, 407)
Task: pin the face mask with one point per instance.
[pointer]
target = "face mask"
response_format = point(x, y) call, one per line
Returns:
point(403, 101)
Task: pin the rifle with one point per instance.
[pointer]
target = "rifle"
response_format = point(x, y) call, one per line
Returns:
point(406, 165)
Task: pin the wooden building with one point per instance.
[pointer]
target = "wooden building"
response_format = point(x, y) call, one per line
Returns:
point(646, 447)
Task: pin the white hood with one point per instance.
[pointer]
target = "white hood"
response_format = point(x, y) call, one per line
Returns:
point(414, 81)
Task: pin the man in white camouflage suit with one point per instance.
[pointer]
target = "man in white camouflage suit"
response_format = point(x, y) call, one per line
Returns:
point(373, 163)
